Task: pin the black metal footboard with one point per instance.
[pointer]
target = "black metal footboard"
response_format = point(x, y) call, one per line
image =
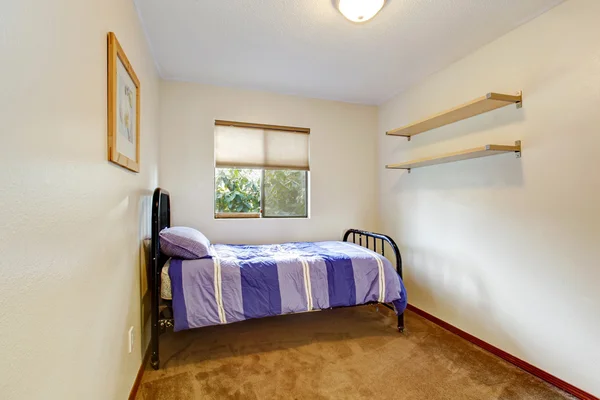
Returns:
point(161, 310)
point(372, 245)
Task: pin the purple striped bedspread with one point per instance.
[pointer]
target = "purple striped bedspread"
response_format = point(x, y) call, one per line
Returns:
point(242, 282)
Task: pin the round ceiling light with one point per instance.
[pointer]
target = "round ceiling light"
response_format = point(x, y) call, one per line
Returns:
point(360, 10)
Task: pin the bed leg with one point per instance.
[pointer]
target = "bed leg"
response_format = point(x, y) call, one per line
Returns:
point(154, 361)
point(401, 323)
point(154, 334)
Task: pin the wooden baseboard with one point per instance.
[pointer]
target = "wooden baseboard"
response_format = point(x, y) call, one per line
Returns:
point(553, 380)
point(138, 377)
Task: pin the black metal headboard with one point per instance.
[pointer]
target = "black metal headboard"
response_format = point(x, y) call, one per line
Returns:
point(161, 219)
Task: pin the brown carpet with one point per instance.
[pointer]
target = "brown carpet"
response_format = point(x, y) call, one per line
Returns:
point(353, 353)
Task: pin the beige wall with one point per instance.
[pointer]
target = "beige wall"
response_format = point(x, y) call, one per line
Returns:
point(508, 249)
point(343, 153)
point(70, 237)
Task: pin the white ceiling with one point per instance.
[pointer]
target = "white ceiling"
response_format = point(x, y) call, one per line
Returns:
point(306, 47)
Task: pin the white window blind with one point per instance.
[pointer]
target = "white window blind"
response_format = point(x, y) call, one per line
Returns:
point(242, 145)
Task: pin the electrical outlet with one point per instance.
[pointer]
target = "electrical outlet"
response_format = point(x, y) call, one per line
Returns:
point(131, 339)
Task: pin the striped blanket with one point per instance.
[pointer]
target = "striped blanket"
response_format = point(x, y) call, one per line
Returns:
point(242, 282)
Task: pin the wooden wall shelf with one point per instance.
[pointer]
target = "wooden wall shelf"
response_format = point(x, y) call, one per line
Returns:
point(482, 151)
point(489, 102)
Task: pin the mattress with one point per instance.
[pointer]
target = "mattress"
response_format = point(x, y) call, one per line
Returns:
point(242, 282)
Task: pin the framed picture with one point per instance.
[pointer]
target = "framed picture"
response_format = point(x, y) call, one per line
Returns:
point(123, 108)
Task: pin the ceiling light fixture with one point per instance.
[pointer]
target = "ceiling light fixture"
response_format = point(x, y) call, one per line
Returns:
point(360, 10)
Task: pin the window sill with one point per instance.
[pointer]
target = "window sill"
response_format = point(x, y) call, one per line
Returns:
point(236, 215)
point(226, 216)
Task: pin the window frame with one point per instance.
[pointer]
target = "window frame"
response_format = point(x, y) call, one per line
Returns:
point(261, 214)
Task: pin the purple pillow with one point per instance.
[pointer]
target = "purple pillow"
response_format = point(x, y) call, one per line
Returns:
point(185, 243)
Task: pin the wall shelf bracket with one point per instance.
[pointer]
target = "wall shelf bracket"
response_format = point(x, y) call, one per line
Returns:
point(518, 152)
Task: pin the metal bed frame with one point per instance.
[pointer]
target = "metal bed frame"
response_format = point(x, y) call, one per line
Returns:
point(161, 310)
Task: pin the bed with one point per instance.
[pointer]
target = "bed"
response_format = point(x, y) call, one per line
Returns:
point(241, 282)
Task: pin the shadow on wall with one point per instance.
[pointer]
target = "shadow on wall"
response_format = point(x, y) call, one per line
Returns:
point(495, 172)
point(480, 124)
point(431, 201)
point(460, 279)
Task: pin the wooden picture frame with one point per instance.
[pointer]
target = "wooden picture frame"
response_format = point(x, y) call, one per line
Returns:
point(123, 108)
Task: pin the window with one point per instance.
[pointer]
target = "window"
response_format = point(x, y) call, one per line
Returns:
point(261, 171)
